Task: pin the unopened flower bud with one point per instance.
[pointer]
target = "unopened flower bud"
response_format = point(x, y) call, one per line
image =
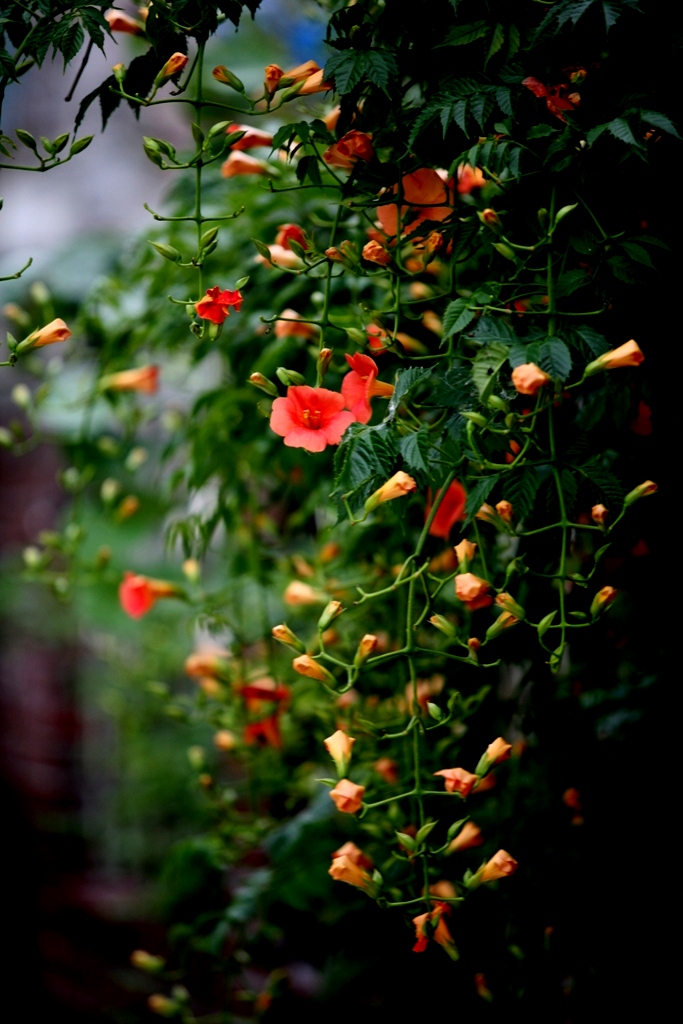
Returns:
point(197, 757)
point(641, 491)
point(490, 218)
point(191, 570)
point(324, 360)
point(162, 1005)
point(365, 648)
point(505, 511)
point(330, 613)
point(339, 746)
point(259, 381)
point(145, 961)
point(173, 66)
point(628, 354)
point(496, 752)
point(602, 600)
point(226, 77)
point(285, 636)
point(53, 332)
point(347, 796)
point(501, 865)
point(504, 621)
point(508, 604)
point(599, 514)
point(119, 72)
point(476, 418)
point(396, 486)
point(290, 377)
point(224, 740)
point(442, 623)
point(305, 665)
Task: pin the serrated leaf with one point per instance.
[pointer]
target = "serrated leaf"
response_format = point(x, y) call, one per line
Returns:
point(521, 353)
point(595, 133)
point(480, 108)
point(485, 367)
point(461, 35)
point(609, 487)
point(497, 40)
point(405, 382)
point(494, 328)
point(595, 341)
point(478, 495)
point(459, 113)
point(555, 358)
point(658, 120)
point(637, 253)
point(457, 316)
point(611, 12)
point(570, 282)
point(415, 450)
point(621, 130)
point(539, 131)
point(520, 489)
point(569, 489)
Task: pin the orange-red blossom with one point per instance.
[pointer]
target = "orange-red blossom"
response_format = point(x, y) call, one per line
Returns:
point(339, 746)
point(396, 486)
point(345, 869)
point(361, 384)
point(426, 197)
point(373, 252)
point(450, 511)
point(501, 865)
point(355, 854)
point(599, 514)
point(432, 925)
point(138, 594)
point(347, 796)
point(240, 164)
point(469, 178)
point(353, 146)
point(215, 305)
point(175, 63)
point(119, 22)
point(310, 418)
point(470, 835)
point(473, 591)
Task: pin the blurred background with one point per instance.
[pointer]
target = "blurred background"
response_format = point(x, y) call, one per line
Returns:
point(97, 790)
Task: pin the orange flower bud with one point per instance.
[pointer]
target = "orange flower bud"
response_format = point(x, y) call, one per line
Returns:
point(211, 688)
point(602, 599)
point(496, 752)
point(486, 513)
point(483, 991)
point(501, 865)
point(528, 378)
point(285, 636)
point(239, 163)
point(354, 853)
point(305, 665)
point(599, 514)
point(302, 593)
point(281, 257)
point(324, 360)
point(330, 612)
point(339, 746)
point(173, 65)
point(330, 120)
point(261, 382)
point(508, 604)
point(373, 252)
point(119, 22)
point(128, 507)
point(273, 74)
point(472, 590)
point(432, 925)
point(465, 552)
point(641, 491)
point(457, 780)
point(53, 332)
point(314, 83)
point(505, 511)
point(347, 796)
point(300, 73)
point(162, 1005)
point(225, 740)
point(490, 218)
point(144, 378)
point(145, 961)
point(504, 621)
point(396, 486)
point(388, 769)
point(344, 869)
point(226, 77)
point(628, 354)
point(365, 648)
point(469, 178)
point(213, 662)
point(469, 835)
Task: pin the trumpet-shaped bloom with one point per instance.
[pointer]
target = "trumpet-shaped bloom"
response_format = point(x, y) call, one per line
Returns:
point(119, 22)
point(241, 163)
point(469, 178)
point(310, 418)
point(347, 796)
point(501, 865)
point(354, 853)
point(450, 511)
point(339, 746)
point(465, 552)
point(353, 146)
point(528, 378)
point(52, 333)
point(457, 780)
point(473, 591)
point(428, 194)
point(345, 869)
point(373, 252)
point(361, 384)
point(144, 378)
point(314, 83)
point(287, 233)
point(292, 326)
point(628, 354)
point(138, 594)
point(469, 835)
point(252, 138)
point(271, 77)
point(434, 919)
point(215, 305)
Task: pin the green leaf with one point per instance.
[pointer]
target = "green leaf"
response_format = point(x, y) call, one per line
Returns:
point(455, 389)
point(26, 138)
point(457, 316)
point(494, 328)
point(485, 367)
point(637, 253)
point(608, 486)
point(520, 490)
point(570, 282)
point(539, 131)
point(461, 35)
point(594, 340)
point(655, 119)
point(262, 248)
point(478, 495)
point(621, 130)
point(415, 448)
point(595, 133)
point(555, 358)
point(405, 382)
point(497, 40)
